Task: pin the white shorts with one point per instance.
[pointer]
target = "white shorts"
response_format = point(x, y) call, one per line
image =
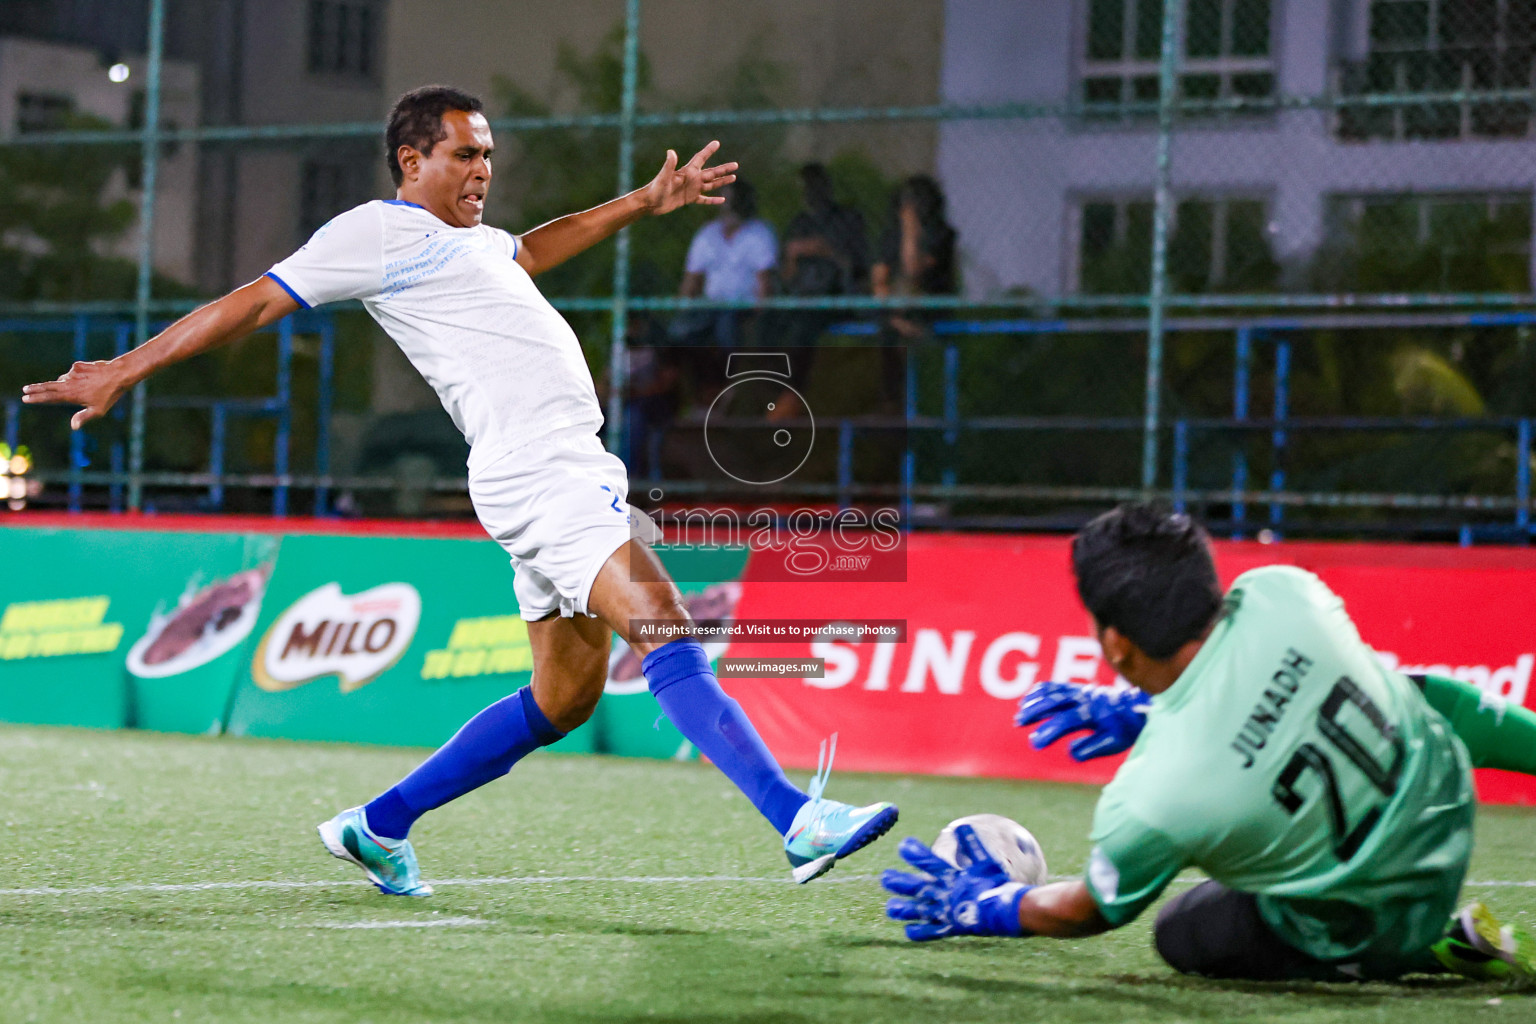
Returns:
point(557, 506)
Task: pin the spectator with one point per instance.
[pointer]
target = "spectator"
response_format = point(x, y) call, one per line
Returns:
point(917, 257)
point(826, 252)
point(732, 257)
point(825, 248)
point(651, 394)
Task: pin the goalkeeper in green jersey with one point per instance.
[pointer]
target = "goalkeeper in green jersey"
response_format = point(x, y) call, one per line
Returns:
point(1327, 799)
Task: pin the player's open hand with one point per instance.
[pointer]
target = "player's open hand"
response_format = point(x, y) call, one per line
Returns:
point(940, 900)
point(1114, 718)
point(96, 386)
point(693, 182)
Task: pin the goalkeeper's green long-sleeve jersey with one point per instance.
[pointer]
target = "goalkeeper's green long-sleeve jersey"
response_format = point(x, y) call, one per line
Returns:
point(1287, 761)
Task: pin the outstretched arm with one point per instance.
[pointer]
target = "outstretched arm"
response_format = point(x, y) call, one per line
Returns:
point(551, 244)
point(977, 897)
point(1062, 910)
point(1498, 734)
point(98, 385)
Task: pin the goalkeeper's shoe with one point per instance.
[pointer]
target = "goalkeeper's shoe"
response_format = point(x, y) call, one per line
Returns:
point(389, 864)
point(825, 831)
point(1479, 947)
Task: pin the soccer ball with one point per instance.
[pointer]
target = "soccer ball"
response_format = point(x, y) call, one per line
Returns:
point(1009, 843)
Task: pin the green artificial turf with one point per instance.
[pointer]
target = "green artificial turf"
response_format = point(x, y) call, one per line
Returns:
point(664, 897)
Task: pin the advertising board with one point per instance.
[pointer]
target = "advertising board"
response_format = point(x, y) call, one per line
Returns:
point(987, 616)
point(357, 633)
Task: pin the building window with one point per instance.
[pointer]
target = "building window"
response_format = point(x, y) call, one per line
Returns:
point(42, 112)
point(1432, 241)
point(168, 150)
point(1226, 51)
point(325, 189)
point(1114, 252)
point(1439, 46)
point(1215, 243)
point(343, 37)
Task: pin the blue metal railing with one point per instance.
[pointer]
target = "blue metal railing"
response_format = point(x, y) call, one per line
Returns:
point(277, 407)
point(1280, 426)
point(1172, 112)
point(949, 427)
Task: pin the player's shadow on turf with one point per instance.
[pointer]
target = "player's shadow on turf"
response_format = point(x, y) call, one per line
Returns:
point(1059, 988)
point(1170, 993)
point(285, 999)
point(587, 926)
point(1362, 993)
point(715, 1017)
point(867, 942)
point(641, 930)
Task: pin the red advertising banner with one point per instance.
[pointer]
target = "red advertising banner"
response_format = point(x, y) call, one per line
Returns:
point(988, 616)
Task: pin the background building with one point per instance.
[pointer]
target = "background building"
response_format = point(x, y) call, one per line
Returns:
point(286, 62)
point(45, 84)
point(1299, 181)
point(1378, 149)
point(697, 55)
point(225, 211)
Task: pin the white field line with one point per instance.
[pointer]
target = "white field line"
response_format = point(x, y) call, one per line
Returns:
point(101, 890)
point(172, 888)
point(440, 922)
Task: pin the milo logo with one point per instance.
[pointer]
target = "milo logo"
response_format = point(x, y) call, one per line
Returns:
point(354, 637)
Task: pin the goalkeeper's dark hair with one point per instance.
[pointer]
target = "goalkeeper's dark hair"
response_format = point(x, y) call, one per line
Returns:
point(1148, 572)
point(417, 121)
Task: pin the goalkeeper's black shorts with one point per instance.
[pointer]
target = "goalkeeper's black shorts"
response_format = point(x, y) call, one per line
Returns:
point(1218, 932)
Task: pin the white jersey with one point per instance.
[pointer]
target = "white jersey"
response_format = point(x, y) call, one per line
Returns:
point(506, 365)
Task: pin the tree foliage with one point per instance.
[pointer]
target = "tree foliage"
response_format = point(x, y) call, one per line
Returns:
point(554, 172)
point(60, 217)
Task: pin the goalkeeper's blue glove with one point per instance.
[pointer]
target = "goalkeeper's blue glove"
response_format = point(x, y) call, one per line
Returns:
point(1116, 717)
point(941, 899)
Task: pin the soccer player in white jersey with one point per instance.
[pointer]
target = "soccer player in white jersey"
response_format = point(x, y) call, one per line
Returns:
point(458, 297)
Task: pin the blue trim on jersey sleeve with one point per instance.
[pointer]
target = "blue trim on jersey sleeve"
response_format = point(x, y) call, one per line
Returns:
point(403, 202)
point(296, 297)
point(516, 245)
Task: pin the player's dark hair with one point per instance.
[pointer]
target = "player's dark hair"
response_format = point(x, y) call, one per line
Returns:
point(417, 121)
point(741, 198)
point(817, 183)
point(1148, 572)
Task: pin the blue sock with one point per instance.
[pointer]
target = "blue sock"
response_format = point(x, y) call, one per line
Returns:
point(684, 685)
point(485, 748)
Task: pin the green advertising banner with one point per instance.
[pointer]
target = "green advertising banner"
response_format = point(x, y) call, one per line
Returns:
point(384, 640)
point(631, 723)
point(181, 670)
point(86, 599)
point(365, 639)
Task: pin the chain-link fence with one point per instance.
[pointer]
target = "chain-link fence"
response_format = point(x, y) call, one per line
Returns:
point(1271, 260)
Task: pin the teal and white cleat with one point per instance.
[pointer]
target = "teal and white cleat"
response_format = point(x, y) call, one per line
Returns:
point(826, 831)
point(389, 863)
